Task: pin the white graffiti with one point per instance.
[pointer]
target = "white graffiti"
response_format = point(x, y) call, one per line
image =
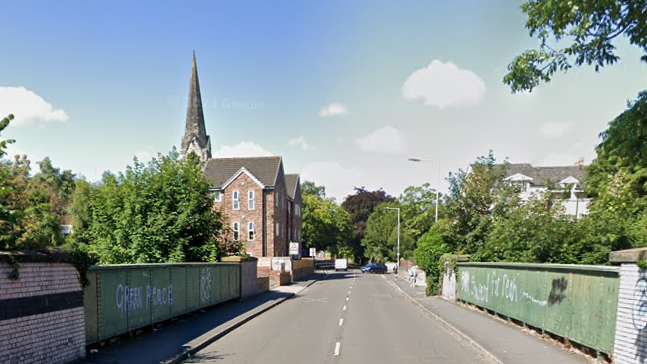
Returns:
point(205, 284)
point(505, 287)
point(532, 299)
point(131, 299)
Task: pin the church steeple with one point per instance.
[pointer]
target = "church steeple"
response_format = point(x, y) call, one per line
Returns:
point(195, 133)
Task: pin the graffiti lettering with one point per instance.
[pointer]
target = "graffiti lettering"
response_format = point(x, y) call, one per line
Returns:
point(131, 299)
point(639, 312)
point(532, 299)
point(205, 284)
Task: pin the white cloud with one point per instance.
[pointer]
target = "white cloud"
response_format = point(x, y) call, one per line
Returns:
point(28, 108)
point(554, 130)
point(338, 180)
point(333, 109)
point(144, 156)
point(444, 85)
point(242, 149)
point(387, 140)
point(300, 142)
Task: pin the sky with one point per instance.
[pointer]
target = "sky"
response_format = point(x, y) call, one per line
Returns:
point(344, 90)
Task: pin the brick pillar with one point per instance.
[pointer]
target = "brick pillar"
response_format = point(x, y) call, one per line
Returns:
point(249, 275)
point(631, 324)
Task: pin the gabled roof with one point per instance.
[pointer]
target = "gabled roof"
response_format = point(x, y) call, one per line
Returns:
point(266, 169)
point(291, 183)
point(540, 175)
point(241, 171)
point(517, 177)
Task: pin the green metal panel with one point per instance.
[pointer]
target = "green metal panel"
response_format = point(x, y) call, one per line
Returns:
point(177, 291)
point(91, 309)
point(138, 298)
point(575, 302)
point(159, 294)
point(192, 288)
point(122, 298)
point(113, 303)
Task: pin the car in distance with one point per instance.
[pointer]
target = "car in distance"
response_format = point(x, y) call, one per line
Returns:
point(374, 268)
point(341, 264)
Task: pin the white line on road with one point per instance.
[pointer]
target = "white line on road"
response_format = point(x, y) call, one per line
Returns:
point(347, 298)
point(341, 321)
point(344, 309)
point(337, 347)
point(348, 292)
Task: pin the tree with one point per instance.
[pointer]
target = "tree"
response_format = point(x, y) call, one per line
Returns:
point(326, 226)
point(590, 29)
point(160, 212)
point(431, 247)
point(31, 224)
point(360, 206)
point(5, 213)
point(418, 209)
point(470, 201)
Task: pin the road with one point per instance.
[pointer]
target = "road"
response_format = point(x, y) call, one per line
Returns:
point(348, 317)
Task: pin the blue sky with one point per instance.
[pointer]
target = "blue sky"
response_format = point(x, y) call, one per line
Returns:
point(345, 91)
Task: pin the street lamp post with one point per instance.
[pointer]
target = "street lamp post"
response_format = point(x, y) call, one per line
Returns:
point(437, 161)
point(397, 251)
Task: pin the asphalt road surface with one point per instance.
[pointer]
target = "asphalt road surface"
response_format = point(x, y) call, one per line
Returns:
point(349, 317)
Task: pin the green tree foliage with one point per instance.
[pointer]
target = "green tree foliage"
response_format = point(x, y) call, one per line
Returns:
point(589, 31)
point(326, 226)
point(431, 247)
point(59, 184)
point(470, 201)
point(160, 212)
point(418, 204)
point(32, 224)
point(360, 206)
point(6, 215)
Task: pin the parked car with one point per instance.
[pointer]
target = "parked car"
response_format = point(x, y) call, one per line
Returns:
point(374, 268)
point(341, 264)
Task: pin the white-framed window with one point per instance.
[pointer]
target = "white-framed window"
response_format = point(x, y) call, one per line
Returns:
point(278, 229)
point(289, 208)
point(216, 196)
point(250, 200)
point(235, 200)
point(277, 196)
point(251, 233)
point(236, 231)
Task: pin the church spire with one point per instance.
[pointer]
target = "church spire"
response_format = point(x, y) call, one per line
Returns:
point(195, 133)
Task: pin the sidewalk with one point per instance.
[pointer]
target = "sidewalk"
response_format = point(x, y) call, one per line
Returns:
point(174, 342)
point(506, 343)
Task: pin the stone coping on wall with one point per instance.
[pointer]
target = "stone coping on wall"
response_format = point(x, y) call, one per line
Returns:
point(604, 269)
point(45, 256)
point(237, 258)
point(155, 265)
point(628, 256)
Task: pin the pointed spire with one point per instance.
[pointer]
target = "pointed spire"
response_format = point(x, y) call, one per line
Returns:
point(195, 133)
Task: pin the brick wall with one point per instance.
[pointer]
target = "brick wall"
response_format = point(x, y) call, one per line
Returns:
point(631, 325)
point(243, 184)
point(41, 314)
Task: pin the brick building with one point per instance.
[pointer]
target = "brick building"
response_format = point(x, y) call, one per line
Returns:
point(261, 202)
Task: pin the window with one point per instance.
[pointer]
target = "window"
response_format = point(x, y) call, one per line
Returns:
point(250, 200)
point(216, 195)
point(236, 231)
point(289, 208)
point(278, 229)
point(298, 208)
point(250, 231)
point(289, 233)
point(235, 201)
point(276, 198)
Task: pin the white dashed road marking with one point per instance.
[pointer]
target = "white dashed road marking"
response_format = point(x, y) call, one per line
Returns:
point(344, 308)
point(341, 321)
point(337, 347)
